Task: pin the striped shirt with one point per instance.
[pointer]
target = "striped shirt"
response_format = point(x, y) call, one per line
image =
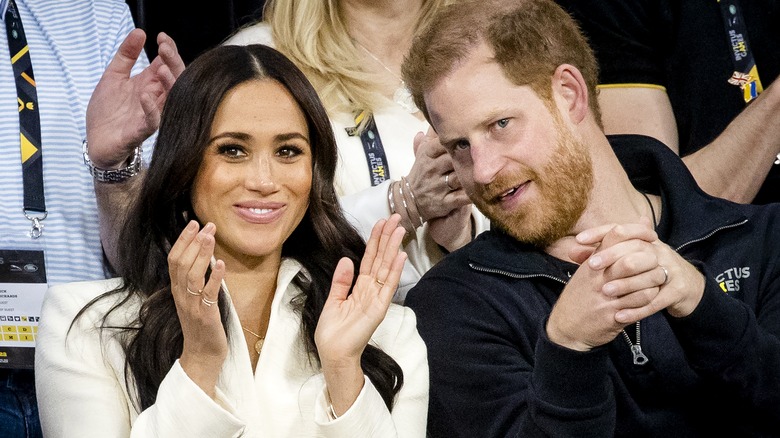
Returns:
point(71, 43)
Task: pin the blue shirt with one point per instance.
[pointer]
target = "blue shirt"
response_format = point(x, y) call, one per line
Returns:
point(71, 43)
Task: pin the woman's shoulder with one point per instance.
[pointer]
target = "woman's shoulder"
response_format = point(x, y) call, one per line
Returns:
point(65, 301)
point(257, 33)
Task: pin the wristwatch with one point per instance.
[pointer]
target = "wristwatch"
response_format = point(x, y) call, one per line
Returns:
point(112, 176)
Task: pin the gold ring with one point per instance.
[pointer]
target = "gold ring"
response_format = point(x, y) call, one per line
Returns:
point(208, 302)
point(381, 283)
point(197, 294)
point(666, 276)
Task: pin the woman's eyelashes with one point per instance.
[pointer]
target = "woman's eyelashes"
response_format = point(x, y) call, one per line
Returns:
point(285, 152)
point(231, 150)
point(289, 151)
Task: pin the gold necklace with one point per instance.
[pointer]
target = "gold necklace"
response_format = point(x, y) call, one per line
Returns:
point(260, 339)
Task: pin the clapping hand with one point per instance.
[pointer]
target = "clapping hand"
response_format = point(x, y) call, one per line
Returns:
point(205, 343)
point(349, 319)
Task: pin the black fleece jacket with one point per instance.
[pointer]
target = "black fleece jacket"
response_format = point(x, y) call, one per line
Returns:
point(494, 373)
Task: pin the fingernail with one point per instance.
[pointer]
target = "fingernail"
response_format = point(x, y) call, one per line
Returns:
point(582, 237)
point(191, 226)
point(595, 262)
point(209, 228)
point(609, 289)
point(621, 317)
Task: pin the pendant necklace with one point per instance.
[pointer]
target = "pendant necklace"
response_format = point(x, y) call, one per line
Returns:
point(636, 349)
point(260, 339)
point(402, 95)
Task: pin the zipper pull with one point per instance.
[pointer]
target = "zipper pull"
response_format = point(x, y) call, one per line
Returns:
point(639, 357)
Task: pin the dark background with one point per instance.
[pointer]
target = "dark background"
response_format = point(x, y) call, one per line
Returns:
point(194, 28)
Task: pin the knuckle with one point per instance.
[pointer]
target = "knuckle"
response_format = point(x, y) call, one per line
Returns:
point(620, 231)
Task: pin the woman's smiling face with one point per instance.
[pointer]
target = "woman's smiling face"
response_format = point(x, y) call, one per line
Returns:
point(256, 174)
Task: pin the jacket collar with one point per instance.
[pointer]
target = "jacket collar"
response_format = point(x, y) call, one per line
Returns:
point(688, 214)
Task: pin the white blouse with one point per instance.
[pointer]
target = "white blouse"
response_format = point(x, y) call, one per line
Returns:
point(80, 378)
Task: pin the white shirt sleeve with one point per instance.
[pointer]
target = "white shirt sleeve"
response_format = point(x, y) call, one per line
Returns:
point(81, 385)
point(368, 416)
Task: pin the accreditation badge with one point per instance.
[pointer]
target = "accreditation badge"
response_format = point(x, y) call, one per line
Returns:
point(22, 287)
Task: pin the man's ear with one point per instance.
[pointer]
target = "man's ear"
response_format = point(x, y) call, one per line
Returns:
point(569, 85)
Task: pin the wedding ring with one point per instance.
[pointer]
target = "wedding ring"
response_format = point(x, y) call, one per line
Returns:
point(447, 182)
point(197, 294)
point(209, 303)
point(666, 276)
point(381, 283)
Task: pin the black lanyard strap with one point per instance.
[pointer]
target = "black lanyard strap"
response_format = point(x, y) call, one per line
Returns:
point(378, 169)
point(29, 121)
point(745, 70)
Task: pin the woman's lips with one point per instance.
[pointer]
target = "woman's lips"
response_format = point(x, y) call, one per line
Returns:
point(260, 214)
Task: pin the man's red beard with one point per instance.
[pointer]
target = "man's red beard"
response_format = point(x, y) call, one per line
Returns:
point(563, 187)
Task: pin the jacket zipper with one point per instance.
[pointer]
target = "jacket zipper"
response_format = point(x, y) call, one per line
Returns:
point(707, 236)
point(564, 282)
point(512, 274)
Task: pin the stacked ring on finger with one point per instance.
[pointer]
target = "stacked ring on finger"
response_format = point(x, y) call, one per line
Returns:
point(208, 303)
point(379, 282)
point(197, 294)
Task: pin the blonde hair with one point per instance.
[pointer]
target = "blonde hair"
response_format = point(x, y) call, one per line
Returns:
point(313, 34)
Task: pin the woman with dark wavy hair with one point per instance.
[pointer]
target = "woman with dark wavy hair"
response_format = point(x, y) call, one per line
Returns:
point(238, 313)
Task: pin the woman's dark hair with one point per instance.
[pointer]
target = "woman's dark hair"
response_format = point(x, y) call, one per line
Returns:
point(154, 341)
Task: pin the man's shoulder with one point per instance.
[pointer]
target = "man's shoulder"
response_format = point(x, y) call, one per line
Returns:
point(477, 268)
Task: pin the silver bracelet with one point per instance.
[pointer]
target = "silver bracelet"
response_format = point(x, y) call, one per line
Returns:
point(113, 176)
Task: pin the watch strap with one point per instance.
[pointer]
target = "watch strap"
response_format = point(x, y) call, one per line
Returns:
point(113, 176)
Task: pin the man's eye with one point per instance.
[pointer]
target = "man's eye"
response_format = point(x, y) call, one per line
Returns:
point(463, 144)
point(502, 123)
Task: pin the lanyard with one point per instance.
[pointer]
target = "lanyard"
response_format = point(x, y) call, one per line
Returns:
point(745, 73)
point(378, 169)
point(29, 121)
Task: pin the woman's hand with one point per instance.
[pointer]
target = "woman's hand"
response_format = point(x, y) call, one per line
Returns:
point(348, 320)
point(435, 186)
point(205, 343)
point(453, 230)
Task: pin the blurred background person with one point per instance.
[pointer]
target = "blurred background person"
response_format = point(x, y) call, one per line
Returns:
point(52, 56)
point(691, 74)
